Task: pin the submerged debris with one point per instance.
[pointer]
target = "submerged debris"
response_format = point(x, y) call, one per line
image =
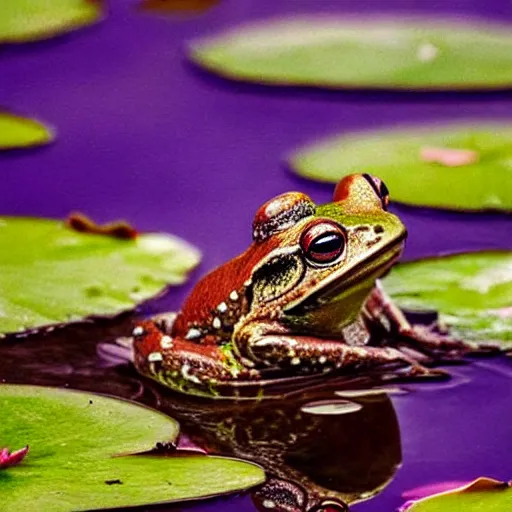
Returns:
point(118, 229)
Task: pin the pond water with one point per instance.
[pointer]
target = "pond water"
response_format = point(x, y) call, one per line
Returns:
point(145, 136)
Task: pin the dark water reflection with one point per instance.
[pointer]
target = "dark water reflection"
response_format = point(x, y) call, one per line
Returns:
point(316, 447)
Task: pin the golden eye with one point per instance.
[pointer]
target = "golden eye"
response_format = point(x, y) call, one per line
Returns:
point(323, 242)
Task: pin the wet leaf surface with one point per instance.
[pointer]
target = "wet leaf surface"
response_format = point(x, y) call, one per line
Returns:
point(482, 495)
point(471, 291)
point(51, 274)
point(30, 20)
point(340, 53)
point(21, 132)
point(73, 437)
point(404, 159)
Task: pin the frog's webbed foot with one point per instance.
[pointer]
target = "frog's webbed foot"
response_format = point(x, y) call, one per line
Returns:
point(429, 340)
point(440, 345)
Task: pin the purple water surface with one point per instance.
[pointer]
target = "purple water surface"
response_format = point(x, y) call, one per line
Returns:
point(145, 136)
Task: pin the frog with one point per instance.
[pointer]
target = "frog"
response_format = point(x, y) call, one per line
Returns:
point(305, 299)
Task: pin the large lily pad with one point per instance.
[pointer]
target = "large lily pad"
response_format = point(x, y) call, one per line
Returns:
point(401, 158)
point(343, 53)
point(471, 291)
point(31, 20)
point(21, 132)
point(73, 437)
point(51, 274)
point(481, 495)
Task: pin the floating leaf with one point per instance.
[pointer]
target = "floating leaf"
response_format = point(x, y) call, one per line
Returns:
point(395, 156)
point(21, 132)
point(31, 20)
point(385, 54)
point(52, 274)
point(483, 494)
point(471, 291)
point(73, 437)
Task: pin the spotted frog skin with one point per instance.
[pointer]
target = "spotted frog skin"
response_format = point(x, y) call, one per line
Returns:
point(303, 299)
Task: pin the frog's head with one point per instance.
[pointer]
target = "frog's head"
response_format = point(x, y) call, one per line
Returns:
point(325, 259)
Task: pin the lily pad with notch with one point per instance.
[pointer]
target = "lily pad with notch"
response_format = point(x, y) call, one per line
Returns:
point(21, 132)
point(31, 20)
point(449, 166)
point(74, 461)
point(398, 53)
point(471, 291)
point(483, 494)
point(51, 274)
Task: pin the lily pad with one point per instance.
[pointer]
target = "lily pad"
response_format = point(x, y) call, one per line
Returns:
point(51, 274)
point(74, 437)
point(404, 159)
point(472, 292)
point(400, 53)
point(483, 494)
point(21, 132)
point(30, 20)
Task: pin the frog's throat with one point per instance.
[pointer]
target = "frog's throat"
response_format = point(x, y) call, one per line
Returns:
point(367, 271)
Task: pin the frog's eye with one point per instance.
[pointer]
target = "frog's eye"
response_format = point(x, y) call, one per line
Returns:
point(380, 189)
point(323, 242)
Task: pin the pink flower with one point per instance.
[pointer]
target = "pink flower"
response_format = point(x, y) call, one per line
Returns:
point(449, 157)
point(12, 459)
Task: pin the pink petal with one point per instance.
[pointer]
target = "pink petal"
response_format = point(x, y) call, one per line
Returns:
point(8, 460)
point(504, 313)
point(449, 157)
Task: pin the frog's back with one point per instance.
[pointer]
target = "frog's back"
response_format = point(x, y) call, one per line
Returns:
point(220, 296)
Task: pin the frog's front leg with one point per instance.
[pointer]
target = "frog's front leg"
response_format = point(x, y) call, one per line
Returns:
point(300, 353)
point(380, 309)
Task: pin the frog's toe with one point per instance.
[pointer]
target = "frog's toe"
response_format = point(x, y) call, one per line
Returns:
point(485, 348)
point(418, 371)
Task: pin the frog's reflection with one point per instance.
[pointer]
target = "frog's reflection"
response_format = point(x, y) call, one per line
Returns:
point(316, 447)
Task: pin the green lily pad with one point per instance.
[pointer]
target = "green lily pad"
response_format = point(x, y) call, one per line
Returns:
point(482, 183)
point(481, 495)
point(395, 53)
point(472, 292)
point(30, 20)
point(21, 132)
point(51, 274)
point(71, 465)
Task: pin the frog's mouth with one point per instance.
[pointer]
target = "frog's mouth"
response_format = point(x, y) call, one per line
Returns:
point(364, 274)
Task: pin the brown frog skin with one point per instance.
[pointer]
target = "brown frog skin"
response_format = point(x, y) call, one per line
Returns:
point(303, 299)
